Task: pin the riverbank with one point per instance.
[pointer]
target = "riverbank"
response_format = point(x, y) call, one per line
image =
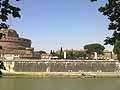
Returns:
point(61, 68)
point(63, 74)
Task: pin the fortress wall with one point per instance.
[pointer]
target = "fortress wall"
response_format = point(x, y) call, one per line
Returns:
point(15, 43)
point(62, 66)
point(11, 40)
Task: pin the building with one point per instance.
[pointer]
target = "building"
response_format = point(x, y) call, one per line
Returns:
point(107, 55)
point(41, 55)
point(13, 45)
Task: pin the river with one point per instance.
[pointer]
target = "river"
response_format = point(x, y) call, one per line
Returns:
point(59, 83)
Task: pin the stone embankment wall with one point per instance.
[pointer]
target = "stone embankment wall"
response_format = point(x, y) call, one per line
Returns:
point(61, 66)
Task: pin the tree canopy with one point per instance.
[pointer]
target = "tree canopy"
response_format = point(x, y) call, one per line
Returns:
point(112, 10)
point(90, 48)
point(71, 54)
point(7, 9)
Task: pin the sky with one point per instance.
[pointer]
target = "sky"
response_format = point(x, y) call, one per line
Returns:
point(52, 24)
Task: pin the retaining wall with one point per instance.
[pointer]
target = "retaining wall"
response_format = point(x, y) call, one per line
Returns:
point(61, 66)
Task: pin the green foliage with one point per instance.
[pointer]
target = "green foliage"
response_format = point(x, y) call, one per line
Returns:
point(112, 10)
point(7, 9)
point(42, 52)
point(75, 54)
point(116, 49)
point(93, 0)
point(60, 53)
point(52, 53)
point(90, 48)
point(72, 54)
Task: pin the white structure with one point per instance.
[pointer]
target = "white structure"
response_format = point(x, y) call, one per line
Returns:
point(95, 56)
point(64, 54)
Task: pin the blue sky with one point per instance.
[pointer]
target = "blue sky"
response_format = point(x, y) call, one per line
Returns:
point(51, 24)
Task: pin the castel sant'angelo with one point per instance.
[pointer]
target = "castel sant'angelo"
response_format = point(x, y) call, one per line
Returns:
point(12, 44)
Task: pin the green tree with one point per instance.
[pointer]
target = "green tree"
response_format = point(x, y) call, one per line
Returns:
point(72, 54)
point(79, 54)
point(7, 9)
point(91, 48)
point(112, 10)
point(60, 53)
point(75, 54)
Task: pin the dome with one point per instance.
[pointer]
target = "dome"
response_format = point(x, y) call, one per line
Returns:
point(9, 33)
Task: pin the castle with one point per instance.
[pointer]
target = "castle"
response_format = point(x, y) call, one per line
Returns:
point(13, 45)
point(16, 47)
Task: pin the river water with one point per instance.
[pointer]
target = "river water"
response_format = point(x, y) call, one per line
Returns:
point(59, 84)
